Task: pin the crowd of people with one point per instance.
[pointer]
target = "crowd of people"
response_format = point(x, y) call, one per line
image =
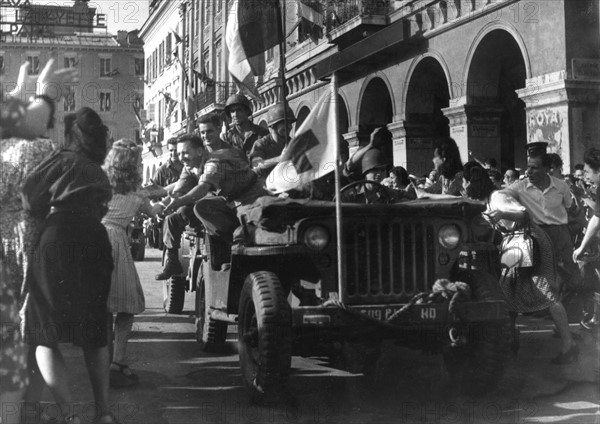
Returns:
point(66, 262)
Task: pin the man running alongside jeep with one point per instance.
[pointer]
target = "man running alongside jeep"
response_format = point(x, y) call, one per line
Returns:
point(226, 186)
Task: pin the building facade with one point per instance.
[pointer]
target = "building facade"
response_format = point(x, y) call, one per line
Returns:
point(111, 71)
point(493, 74)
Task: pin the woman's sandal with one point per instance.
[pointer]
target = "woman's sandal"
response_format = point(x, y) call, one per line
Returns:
point(123, 377)
point(126, 371)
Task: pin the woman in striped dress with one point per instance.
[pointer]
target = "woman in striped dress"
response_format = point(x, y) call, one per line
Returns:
point(126, 297)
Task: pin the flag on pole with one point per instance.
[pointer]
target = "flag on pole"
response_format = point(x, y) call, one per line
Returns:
point(253, 27)
point(171, 103)
point(178, 38)
point(311, 154)
point(136, 112)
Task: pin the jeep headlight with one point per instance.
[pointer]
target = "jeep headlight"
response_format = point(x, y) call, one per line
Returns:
point(316, 237)
point(449, 236)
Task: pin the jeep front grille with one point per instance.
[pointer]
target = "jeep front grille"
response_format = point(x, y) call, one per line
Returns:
point(387, 262)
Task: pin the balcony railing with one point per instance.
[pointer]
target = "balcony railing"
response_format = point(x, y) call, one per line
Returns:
point(339, 12)
point(215, 93)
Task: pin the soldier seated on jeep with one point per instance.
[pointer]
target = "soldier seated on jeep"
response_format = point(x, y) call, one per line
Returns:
point(226, 182)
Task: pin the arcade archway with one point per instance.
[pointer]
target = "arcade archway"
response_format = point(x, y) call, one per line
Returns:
point(496, 71)
point(427, 94)
point(375, 110)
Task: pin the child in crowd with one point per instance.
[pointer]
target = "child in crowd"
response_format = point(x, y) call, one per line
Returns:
point(126, 297)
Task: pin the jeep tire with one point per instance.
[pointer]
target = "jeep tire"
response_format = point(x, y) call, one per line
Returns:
point(174, 294)
point(478, 366)
point(211, 334)
point(265, 338)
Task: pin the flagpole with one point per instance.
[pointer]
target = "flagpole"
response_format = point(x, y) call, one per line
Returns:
point(283, 38)
point(338, 197)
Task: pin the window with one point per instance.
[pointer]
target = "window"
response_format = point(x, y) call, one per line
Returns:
point(161, 56)
point(148, 69)
point(71, 62)
point(138, 67)
point(197, 18)
point(105, 104)
point(105, 67)
point(169, 47)
point(69, 99)
point(206, 14)
point(206, 61)
point(154, 64)
point(1, 64)
point(34, 60)
point(218, 51)
point(218, 3)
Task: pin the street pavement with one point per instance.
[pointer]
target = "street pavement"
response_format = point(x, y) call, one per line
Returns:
point(181, 384)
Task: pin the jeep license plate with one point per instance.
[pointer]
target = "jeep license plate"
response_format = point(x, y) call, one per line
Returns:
point(378, 312)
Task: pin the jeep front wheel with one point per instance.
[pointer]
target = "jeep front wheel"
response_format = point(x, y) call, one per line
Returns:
point(211, 334)
point(478, 366)
point(265, 337)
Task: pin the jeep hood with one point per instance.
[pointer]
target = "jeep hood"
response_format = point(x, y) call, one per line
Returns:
point(274, 213)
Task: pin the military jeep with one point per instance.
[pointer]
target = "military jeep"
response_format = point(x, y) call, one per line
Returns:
point(281, 289)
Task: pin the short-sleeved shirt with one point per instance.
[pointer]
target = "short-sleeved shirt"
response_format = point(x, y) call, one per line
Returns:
point(547, 207)
point(228, 173)
point(67, 180)
point(245, 141)
point(188, 179)
point(266, 148)
point(167, 173)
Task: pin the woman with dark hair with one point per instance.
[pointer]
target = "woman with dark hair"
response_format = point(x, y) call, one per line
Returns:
point(446, 159)
point(68, 194)
point(476, 182)
point(397, 179)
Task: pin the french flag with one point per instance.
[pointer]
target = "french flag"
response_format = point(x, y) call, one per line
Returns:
point(253, 27)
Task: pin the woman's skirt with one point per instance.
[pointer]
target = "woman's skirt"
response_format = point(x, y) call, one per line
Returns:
point(126, 293)
point(533, 289)
point(70, 281)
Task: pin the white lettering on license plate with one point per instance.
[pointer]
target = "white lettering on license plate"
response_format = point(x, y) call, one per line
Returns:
point(428, 313)
point(379, 314)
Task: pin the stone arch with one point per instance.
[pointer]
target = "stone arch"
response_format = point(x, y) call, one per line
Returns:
point(301, 115)
point(442, 63)
point(498, 66)
point(376, 109)
point(427, 93)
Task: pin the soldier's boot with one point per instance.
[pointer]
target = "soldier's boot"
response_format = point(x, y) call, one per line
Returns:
point(172, 266)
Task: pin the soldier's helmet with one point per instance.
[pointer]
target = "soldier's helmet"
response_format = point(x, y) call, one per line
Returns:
point(276, 114)
point(237, 99)
point(373, 159)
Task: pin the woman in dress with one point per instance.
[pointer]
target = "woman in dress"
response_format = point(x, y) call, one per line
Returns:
point(126, 297)
point(68, 194)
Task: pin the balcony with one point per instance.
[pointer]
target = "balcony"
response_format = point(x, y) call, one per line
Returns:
point(348, 21)
point(214, 95)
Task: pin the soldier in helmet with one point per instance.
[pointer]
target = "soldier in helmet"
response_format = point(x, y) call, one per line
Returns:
point(267, 150)
point(242, 133)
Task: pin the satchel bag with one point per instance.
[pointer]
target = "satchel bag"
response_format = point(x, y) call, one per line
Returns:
point(516, 249)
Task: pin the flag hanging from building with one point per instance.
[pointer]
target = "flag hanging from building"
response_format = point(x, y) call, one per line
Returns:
point(253, 27)
point(171, 103)
point(311, 154)
point(136, 112)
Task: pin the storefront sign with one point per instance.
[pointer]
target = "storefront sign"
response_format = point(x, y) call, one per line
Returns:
point(586, 69)
point(419, 143)
point(483, 130)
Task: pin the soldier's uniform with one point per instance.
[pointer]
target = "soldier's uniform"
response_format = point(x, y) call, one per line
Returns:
point(245, 141)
